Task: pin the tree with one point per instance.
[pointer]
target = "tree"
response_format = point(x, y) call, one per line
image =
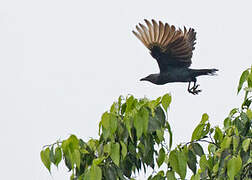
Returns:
point(132, 138)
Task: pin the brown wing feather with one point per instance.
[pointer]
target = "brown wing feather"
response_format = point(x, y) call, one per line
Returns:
point(174, 46)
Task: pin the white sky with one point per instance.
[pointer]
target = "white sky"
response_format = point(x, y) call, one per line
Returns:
point(63, 63)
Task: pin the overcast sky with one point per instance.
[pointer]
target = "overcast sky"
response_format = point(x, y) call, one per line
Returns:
point(63, 63)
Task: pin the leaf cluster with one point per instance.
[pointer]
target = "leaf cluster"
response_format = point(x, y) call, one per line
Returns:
point(128, 133)
point(132, 137)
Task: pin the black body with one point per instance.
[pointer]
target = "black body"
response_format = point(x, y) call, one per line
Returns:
point(173, 51)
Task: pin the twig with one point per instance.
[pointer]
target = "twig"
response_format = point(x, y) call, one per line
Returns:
point(202, 140)
point(48, 145)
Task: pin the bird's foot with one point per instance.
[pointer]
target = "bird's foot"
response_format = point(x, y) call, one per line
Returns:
point(194, 90)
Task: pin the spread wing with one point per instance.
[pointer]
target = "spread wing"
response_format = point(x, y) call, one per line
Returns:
point(170, 47)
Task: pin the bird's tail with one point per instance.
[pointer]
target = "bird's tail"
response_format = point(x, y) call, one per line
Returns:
point(200, 72)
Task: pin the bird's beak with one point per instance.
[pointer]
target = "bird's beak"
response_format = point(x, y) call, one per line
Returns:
point(143, 79)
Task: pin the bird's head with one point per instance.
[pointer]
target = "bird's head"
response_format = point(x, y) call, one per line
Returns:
point(153, 78)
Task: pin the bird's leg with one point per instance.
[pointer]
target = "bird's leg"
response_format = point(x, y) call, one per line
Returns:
point(193, 89)
point(188, 88)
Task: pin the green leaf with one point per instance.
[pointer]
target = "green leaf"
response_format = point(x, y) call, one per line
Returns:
point(192, 161)
point(195, 177)
point(245, 144)
point(45, 157)
point(197, 149)
point(226, 143)
point(233, 167)
point(218, 136)
point(58, 156)
point(170, 133)
point(98, 161)
point(243, 78)
point(95, 173)
point(161, 157)
point(160, 135)
point(166, 101)
point(212, 148)
point(216, 168)
point(178, 161)
point(203, 163)
point(235, 143)
point(123, 150)
point(141, 122)
point(173, 160)
point(170, 175)
point(128, 123)
point(249, 114)
point(92, 144)
point(227, 123)
point(250, 80)
point(198, 132)
point(76, 158)
point(113, 124)
point(204, 118)
point(52, 158)
point(158, 121)
point(233, 111)
point(115, 153)
point(129, 104)
point(105, 120)
point(107, 148)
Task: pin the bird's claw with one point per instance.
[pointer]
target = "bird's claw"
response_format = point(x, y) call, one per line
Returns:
point(194, 90)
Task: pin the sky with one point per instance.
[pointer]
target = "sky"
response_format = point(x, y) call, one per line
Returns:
point(63, 63)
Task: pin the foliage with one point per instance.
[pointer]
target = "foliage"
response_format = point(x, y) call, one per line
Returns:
point(133, 137)
point(129, 131)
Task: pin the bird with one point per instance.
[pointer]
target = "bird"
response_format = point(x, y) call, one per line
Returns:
point(173, 49)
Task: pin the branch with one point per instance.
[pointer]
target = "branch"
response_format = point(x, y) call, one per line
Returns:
point(202, 140)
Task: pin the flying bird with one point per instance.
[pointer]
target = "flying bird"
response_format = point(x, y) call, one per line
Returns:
point(172, 48)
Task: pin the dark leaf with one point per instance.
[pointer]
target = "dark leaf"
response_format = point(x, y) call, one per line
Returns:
point(192, 161)
point(197, 149)
point(157, 121)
